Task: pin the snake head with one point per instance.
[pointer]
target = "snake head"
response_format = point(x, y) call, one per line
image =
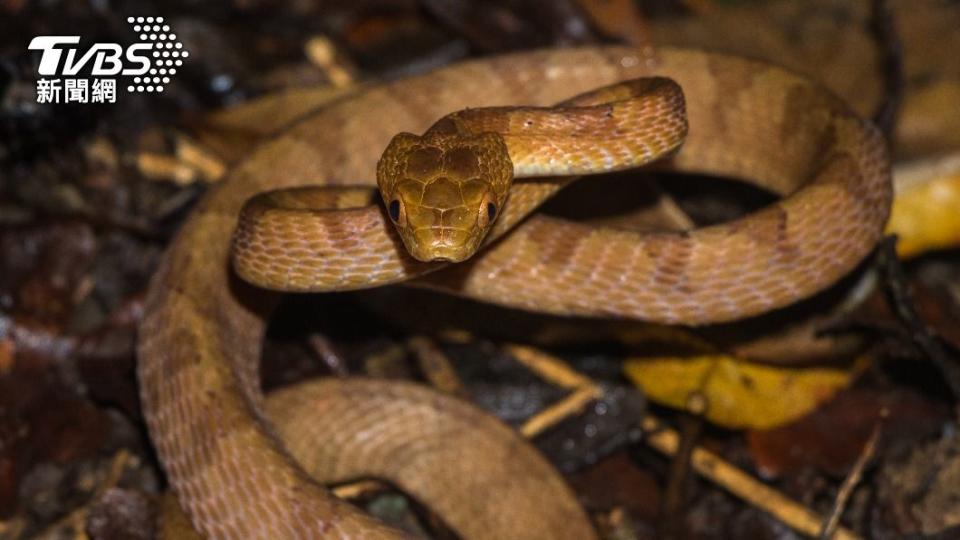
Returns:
point(443, 191)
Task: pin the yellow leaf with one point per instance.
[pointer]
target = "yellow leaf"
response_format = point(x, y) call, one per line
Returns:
point(926, 210)
point(738, 394)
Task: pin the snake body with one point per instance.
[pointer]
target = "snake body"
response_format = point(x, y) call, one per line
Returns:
point(200, 339)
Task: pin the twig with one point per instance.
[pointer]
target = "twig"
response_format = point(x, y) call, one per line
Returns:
point(549, 367)
point(201, 159)
point(327, 353)
point(851, 481)
point(360, 488)
point(891, 59)
point(674, 499)
point(435, 366)
point(163, 167)
point(898, 290)
point(617, 525)
point(322, 53)
point(740, 484)
point(558, 412)
point(554, 370)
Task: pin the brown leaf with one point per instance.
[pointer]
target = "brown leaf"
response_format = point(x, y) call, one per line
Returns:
point(832, 437)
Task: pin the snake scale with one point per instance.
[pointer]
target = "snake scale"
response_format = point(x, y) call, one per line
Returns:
point(238, 474)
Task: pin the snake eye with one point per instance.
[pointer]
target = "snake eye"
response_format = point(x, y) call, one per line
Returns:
point(394, 209)
point(488, 211)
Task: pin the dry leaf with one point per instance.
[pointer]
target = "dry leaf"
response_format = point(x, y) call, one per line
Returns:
point(6, 356)
point(738, 394)
point(926, 210)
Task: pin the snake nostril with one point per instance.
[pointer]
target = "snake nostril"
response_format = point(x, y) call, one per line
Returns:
point(491, 211)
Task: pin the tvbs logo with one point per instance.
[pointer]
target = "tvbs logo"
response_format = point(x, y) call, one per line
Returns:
point(89, 76)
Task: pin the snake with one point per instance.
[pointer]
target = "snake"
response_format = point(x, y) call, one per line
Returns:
point(243, 465)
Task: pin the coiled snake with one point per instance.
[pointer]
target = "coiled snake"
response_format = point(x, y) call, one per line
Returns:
point(200, 340)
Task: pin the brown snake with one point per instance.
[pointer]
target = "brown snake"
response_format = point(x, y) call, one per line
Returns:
point(200, 340)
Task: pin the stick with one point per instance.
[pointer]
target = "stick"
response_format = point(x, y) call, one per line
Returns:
point(742, 485)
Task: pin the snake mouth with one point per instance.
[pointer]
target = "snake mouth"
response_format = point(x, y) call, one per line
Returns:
point(441, 253)
point(442, 244)
point(447, 258)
